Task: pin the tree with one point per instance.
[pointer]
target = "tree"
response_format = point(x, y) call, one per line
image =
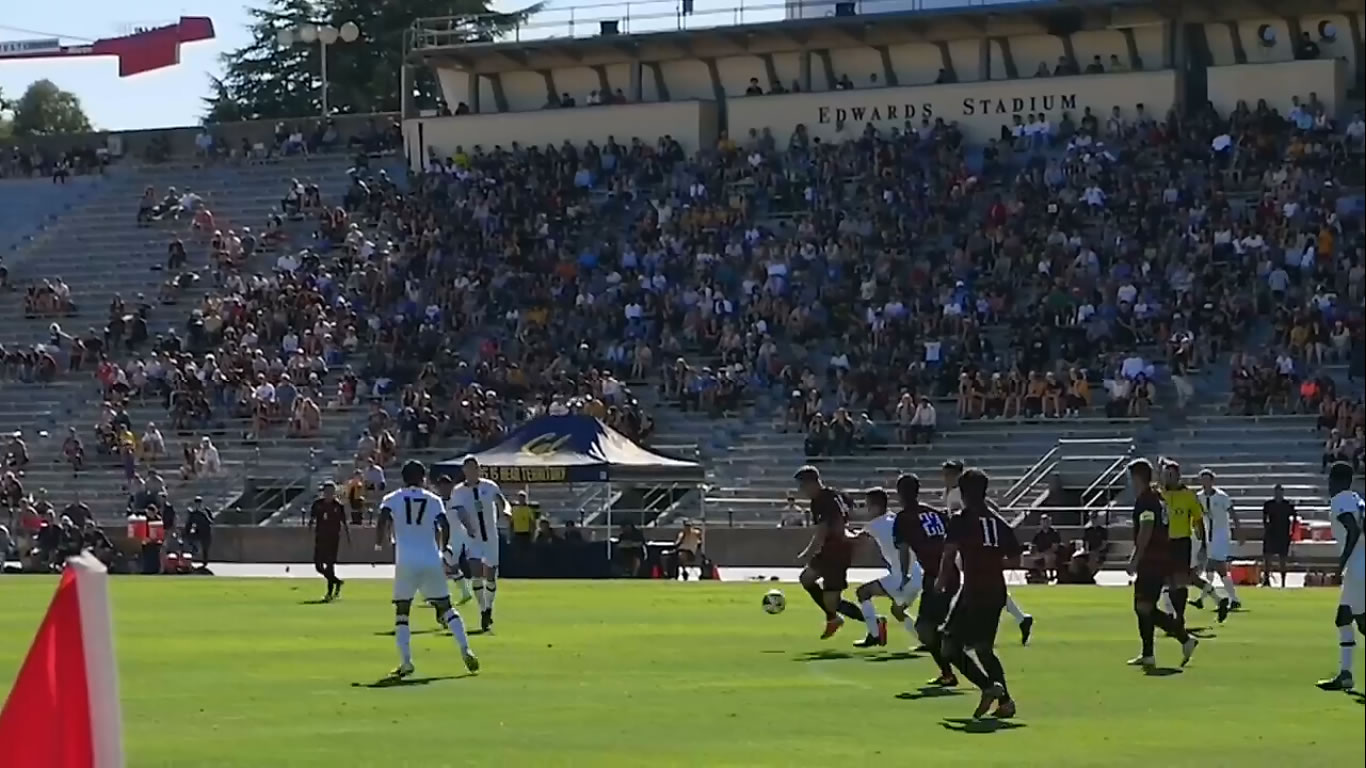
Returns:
point(265, 80)
point(46, 110)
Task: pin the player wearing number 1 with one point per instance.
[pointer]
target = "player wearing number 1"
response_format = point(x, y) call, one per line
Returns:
point(418, 519)
point(480, 504)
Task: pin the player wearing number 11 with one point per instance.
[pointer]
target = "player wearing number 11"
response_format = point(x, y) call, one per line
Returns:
point(418, 519)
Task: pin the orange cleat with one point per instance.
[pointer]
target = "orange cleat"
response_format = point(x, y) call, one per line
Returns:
point(831, 627)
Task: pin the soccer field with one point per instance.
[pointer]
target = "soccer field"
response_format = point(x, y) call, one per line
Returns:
point(222, 672)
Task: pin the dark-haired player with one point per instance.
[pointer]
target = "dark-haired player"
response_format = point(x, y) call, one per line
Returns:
point(904, 576)
point(454, 551)
point(1151, 565)
point(418, 519)
point(1186, 534)
point(327, 518)
point(830, 551)
point(1347, 510)
point(952, 469)
point(924, 535)
point(986, 543)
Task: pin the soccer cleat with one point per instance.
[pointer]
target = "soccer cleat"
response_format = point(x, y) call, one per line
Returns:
point(1343, 682)
point(1188, 650)
point(1234, 605)
point(1026, 629)
point(1005, 709)
point(485, 620)
point(403, 670)
point(1223, 609)
point(1142, 661)
point(881, 631)
point(831, 627)
point(1198, 602)
point(944, 681)
point(990, 695)
point(336, 589)
point(471, 661)
point(869, 641)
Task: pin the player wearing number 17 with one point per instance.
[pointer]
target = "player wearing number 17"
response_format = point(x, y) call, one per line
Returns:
point(418, 519)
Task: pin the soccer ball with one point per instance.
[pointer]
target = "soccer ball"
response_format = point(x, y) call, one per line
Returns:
point(774, 602)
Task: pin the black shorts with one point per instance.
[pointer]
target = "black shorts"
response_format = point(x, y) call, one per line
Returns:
point(1181, 555)
point(934, 605)
point(833, 570)
point(1148, 584)
point(325, 553)
point(1278, 546)
point(974, 617)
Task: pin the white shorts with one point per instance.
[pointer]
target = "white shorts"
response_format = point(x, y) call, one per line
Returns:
point(1354, 592)
point(427, 578)
point(1220, 547)
point(485, 552)
point(891, 584)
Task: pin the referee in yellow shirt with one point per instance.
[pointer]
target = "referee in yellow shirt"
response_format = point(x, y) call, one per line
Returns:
point(1185, 519)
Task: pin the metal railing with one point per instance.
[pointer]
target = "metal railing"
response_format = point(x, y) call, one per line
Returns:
point(1031, 476)
point(1105, 481)
point(645, 16)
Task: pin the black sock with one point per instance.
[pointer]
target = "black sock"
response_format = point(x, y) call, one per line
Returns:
point(969, 668)
point(1172, 625)
point(1179, 596)
point(992, 666)
point(817, 596)
point(1145, 631)
point(944, 669)
point(850, 610)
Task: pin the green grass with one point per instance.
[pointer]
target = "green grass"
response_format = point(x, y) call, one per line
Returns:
point(218, 672)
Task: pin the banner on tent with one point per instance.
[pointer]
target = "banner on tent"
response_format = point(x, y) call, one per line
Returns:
point(534, 474)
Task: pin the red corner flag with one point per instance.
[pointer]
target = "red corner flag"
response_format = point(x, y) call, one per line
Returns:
point(63, 711)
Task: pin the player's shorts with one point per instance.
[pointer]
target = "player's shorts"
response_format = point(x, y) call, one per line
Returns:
point(1276, 545)
point(1220, 548)
point(1354, 591)
point(974, 617)
point(1148, 584)
point(833, 570)
point(485, 552)
point(891, 584)
point(325, 552)
point(934, 606)
point(1182, 556)
point(427, 578)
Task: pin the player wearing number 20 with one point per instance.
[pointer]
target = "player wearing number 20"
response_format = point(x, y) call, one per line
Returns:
point(418, 519)
point(479, 503)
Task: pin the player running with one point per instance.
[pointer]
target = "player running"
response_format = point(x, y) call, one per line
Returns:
point(327, 518)
point(830, 551)
point(416, 514)
point(953, 501)
point(1151, 565)
point(1347, 510)
point(985, 544)
point(925, 536)
point(1221, 526)
point(904, 576)
point(454, 551)
point(480, 503)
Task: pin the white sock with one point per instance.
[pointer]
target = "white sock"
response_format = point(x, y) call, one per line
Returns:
point(403, 638)
point(464, 585)
point(490, 593)
point(1014, 610)
point(869, 616)
point(909, 624)
point(479, 591)
point(1229, 588)
point(457, 627)
point(1165, 604)
point(1346, 646)
point(1208, 590)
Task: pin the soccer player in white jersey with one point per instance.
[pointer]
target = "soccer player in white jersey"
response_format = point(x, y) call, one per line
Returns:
point(417, 518)
point(904, 575)
point(953, 503)
point(480, 504)
point(1347, 510)
point(1221, 526)
point(453, 550)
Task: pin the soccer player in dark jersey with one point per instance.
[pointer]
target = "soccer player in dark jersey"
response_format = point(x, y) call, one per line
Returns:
point(327, 518)
point(923, 531)
point(951, 470)
point(830, 551)
point(1151, 565)
point(987, 544)
point(1278, 520)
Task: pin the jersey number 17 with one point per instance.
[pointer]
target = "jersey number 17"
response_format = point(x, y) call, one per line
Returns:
point(409, 504)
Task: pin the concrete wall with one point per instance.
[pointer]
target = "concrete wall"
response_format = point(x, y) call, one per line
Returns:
point(980, 109)
point(691, 123)
point(1278, 83)
point(1280, 46)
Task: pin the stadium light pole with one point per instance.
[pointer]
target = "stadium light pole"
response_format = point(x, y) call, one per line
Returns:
point(324, 35)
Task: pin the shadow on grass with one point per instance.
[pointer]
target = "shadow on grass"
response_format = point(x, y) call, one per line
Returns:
point(969, 725)
point(390, 633)
point(929, 692)
point(319, 601)
point(1358, 696)
point(1161, 671)
point(396, 682)
point(1202, 633)
point(823, 655)
point(894, 656)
